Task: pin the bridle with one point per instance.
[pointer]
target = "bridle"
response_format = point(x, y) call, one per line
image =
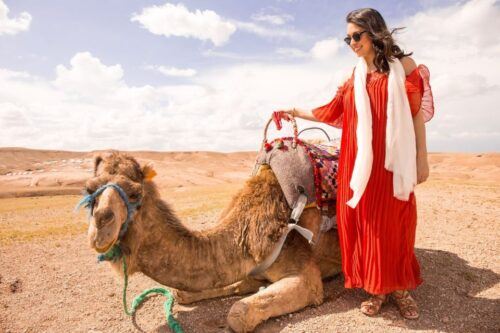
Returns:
point(115, 253)
point(88, 202)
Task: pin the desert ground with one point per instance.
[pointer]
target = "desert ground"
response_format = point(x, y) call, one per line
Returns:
point(50, 280)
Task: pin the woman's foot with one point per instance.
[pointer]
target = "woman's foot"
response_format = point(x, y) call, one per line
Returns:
point(372, 306)
point(406, 304)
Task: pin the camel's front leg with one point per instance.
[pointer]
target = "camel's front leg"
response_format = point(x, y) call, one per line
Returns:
point(243, 287)
point(287, 295)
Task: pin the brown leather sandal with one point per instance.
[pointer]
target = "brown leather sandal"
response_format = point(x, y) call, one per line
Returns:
point(406, 304)
point(372, 306)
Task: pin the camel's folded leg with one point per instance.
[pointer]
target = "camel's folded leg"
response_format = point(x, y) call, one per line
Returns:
point(243, 287)
point(287, 295)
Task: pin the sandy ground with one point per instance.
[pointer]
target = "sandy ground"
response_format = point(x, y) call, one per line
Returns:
point(50, 281)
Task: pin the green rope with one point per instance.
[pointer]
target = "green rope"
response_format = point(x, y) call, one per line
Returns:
point(172, 323)
point(112, 255)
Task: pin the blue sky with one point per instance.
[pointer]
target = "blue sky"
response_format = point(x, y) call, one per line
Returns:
point(59, 29)
point(82, 75)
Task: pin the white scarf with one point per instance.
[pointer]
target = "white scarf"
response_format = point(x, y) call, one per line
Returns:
point(400, 145)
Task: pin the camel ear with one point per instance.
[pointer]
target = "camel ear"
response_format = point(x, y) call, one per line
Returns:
point(97, 161)
point(148, 171)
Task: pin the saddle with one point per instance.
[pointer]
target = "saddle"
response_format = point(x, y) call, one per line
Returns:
point(303, 168)
point(307, 174)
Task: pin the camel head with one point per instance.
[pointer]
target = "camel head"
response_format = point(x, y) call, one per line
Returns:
point(109, 211)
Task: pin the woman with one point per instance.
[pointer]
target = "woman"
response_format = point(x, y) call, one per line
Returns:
point(381, 109)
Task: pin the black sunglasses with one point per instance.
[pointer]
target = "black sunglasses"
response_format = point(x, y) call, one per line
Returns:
point(356, 36)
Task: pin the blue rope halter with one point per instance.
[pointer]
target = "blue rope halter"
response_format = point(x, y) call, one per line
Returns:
point(88, 202)
point(115, 253)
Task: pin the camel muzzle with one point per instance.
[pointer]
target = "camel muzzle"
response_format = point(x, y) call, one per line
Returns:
point(103, 217)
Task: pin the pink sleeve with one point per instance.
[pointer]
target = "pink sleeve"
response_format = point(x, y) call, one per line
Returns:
point(331, 113)
point(419, 92)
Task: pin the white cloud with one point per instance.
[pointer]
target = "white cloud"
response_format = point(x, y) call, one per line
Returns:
point(80, 117)
point(325, 49)
point(457, 85)
point(87, 76)
point(173, 71)
point(230, 55)
point(274, 19)
point(12, 26)
point(69, 112)
point(176, 20)
point(269, 32)
point(462, 28)
point(89, 104)
point(291, 52)
point(462, 57)
point(489, 135)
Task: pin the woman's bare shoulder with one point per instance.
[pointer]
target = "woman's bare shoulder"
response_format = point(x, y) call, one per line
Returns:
point(408, 64)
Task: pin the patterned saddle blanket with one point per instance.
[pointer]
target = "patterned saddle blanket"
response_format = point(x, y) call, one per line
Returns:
point(311, 168)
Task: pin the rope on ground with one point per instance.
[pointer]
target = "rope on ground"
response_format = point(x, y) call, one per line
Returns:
point(172, 323)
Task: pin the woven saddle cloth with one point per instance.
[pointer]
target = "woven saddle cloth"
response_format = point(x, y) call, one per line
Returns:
point(310, 168)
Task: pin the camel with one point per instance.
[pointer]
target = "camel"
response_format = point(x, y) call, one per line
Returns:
point(214, 262)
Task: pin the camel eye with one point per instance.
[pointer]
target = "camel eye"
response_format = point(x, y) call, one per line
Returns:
point(134, 196)
point(89, 190)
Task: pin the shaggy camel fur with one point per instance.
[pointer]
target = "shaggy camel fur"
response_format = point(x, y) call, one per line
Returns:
point(214, 262)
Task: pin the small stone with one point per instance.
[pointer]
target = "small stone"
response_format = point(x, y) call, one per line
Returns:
point(445, 320)
point(16, 286)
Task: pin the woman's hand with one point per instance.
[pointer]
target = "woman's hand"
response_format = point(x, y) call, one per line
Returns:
point(295, 112)
point(422, 168)
point(283, 114)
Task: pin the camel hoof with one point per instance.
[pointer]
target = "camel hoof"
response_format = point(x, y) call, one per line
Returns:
point(238, 318)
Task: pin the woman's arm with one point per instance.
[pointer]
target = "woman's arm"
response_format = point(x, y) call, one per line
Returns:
point(300, 113)
point(415, 100)
point(422, 163)
point(330, 113)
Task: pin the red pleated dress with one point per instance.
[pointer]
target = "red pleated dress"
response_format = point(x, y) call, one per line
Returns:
point(377, 237)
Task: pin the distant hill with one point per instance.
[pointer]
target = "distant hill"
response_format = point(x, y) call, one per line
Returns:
point(29, 172)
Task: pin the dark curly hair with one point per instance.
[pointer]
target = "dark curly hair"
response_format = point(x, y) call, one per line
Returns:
point(383, 43)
